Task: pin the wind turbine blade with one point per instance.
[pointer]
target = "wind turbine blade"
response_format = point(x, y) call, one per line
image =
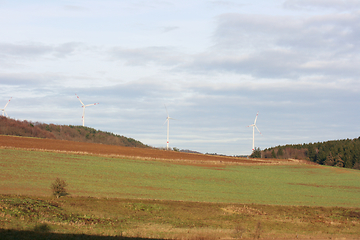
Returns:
point(7, 103)
point(258, 129)
point(5, 113)
point(83, 116)
point(91, 104)
point(166, 121)
point(80, 100)
point(167, 113)
point(256, 117)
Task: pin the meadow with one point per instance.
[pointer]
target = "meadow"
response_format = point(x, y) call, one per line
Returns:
point(32, 172)
point(112, 196)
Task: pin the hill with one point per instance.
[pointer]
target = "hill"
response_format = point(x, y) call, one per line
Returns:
point(64, 132)
point(341, 153)
point(54, 145)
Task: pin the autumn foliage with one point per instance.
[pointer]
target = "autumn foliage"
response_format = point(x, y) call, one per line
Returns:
point(64, 132)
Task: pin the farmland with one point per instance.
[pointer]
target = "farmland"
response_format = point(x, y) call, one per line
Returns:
point(159, 194)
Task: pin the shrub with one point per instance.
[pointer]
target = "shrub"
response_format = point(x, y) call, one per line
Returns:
point(42, 228)
point(58, 187)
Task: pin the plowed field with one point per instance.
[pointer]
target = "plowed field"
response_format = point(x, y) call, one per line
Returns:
point(130, 152)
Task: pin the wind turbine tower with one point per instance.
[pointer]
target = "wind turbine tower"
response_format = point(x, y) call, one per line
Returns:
point(168, 126)
point(3, 109)
point(84, 106)
point(254, 126)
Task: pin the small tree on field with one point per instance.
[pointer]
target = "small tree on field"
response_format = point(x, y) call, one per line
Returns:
point(58, 187)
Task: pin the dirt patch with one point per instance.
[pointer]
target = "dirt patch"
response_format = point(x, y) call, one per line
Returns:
point(243, 210)
point(325, 186)
point(39, 144)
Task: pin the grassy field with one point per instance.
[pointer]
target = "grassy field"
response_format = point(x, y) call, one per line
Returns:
point(32, 172)
point(100, 218)
point(140, 199)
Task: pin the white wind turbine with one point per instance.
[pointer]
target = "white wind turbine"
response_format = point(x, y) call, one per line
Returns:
point(254, 126)
point(168, 125)
point(83, 106)
point(3, 109)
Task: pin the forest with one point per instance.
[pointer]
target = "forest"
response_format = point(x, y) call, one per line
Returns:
point(25, 128)
point(341, 153)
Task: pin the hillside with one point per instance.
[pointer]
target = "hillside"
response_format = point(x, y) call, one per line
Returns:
point(341, 153)
point(138, 153)
point(63, 132)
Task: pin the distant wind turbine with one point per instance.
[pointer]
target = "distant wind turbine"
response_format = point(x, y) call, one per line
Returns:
point(168, 125)
point(3, 110)
point(83, 106)
point(254, 126)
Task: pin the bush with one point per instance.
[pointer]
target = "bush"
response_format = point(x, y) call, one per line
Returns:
point(58, 187)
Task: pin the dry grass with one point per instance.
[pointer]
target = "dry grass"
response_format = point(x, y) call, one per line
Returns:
point(175, 220)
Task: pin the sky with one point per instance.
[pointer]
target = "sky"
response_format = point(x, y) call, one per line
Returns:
point(213, 64)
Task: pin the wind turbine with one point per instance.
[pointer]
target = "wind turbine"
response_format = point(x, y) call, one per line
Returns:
point(83, 106)
point(254, 126)
point(3, 109)
point(168, 125)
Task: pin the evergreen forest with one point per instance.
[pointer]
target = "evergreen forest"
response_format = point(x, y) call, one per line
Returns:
point(340, 153)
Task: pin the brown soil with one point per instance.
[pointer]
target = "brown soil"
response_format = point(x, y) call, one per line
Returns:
point(132, 152)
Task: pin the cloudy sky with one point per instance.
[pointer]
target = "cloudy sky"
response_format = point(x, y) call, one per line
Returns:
point(214, 64)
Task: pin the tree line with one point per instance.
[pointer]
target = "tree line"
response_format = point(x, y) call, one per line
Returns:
point(340, 153)
point(25, 128)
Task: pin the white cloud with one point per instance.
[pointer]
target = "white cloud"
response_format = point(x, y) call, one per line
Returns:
point(142, 56)
point(340, 5)
point(74, 8)
point(31, 50)
point(29, 79)
point(227, 4)
point(169, 28)
point(284, 47)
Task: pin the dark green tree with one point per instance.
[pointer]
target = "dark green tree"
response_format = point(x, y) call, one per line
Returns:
point(321, 156)
point(273, 155)
point(311, 153)
point(256, 153)
point(280, 153)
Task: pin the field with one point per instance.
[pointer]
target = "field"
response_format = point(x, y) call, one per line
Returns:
point(128, 152)
point(147, 193)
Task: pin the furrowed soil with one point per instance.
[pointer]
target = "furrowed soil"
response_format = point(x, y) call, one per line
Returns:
point(132, 152)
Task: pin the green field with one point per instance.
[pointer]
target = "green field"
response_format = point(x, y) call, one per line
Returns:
point(114, 198)
point(32, 172)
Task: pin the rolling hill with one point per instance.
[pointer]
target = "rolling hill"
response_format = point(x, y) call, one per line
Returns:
point(25, 128)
